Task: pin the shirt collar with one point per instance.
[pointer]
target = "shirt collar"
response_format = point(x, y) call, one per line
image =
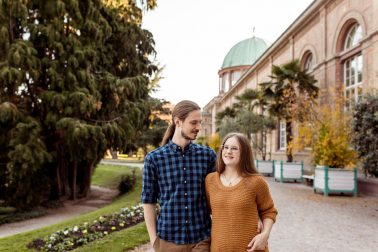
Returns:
point(176, 148)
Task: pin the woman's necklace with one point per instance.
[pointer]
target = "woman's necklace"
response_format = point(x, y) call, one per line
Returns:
point(229, 181)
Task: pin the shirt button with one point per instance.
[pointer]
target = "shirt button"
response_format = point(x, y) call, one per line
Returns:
point(186, 221)
point(185, 181)
point(183, 155)
point(186, 207)
point(186, 194)
point(184, 169)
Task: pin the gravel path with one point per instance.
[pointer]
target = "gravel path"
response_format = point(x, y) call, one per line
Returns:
point(98, 197)
point(309, 222)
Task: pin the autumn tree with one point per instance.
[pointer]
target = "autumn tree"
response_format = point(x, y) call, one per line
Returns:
point(328, 131)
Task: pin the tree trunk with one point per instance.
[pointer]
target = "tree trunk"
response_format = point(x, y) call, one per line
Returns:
point(73, 181)
point(289, 141)
point(87, 179)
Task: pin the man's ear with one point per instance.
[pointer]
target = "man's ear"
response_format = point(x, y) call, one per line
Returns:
point(177, 121)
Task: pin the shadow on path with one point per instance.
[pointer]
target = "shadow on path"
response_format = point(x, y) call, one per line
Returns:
point(98, 197)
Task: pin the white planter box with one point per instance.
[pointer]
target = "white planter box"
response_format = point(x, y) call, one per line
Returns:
point(265, 167)
point(335, 180)
point(288, 171)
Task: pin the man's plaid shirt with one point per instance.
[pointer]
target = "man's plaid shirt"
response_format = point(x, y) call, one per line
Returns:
point(177, 178)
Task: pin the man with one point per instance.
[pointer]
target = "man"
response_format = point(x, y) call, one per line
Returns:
point(174, 174)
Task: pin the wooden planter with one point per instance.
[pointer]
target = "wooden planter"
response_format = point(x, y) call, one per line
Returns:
point(335, 180)
point(288, 171)
point(265, 167)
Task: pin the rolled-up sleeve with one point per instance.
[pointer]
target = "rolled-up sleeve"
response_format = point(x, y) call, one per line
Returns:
point(150, 188)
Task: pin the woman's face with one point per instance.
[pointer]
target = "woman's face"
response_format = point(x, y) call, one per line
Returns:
point(231, 152)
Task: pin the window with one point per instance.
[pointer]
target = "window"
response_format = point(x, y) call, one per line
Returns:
point(353, 68)
point(282, 136)
point(309, 64)
point(353, 37)
point(225, 83)
point(353, 80)
point(235, 77)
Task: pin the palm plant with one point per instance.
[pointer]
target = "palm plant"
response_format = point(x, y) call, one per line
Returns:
point(250, 100)
point(291, 93)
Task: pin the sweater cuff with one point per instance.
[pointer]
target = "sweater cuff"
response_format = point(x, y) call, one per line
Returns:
point(269, 216)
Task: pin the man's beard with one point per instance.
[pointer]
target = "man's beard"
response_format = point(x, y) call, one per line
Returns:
point(188, 137)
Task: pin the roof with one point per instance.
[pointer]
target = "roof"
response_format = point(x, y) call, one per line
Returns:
point(245, 53)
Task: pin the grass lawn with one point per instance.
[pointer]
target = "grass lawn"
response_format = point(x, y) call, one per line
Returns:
point(109, 175)
point(118, 241)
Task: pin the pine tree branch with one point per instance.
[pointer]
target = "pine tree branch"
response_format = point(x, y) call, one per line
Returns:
point(105, 121)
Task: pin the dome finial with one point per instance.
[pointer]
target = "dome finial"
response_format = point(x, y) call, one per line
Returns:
point(253, 32)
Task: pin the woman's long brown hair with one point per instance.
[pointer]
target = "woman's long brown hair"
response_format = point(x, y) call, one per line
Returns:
point(246, 165)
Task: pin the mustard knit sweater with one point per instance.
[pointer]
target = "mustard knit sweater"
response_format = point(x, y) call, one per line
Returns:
point(235, 211)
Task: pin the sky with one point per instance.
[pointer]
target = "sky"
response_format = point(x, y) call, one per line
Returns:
point(192, 37)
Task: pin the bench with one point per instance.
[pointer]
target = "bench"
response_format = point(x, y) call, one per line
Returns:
point(309, 179)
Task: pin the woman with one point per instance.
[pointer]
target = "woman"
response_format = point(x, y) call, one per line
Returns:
point(237, 197)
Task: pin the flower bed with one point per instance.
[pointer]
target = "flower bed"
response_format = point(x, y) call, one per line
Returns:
point(73, 237)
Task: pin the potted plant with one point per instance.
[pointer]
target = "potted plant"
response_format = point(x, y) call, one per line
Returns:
point(333, 155)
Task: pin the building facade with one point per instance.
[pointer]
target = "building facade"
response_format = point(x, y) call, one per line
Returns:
point(335, 40)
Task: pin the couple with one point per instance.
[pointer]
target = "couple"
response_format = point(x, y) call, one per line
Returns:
point(235, 196)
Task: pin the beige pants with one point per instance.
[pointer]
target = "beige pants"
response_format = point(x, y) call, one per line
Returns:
point(161, 245)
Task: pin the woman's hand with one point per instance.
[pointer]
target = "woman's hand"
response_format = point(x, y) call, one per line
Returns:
point(259, 242)
point(260, 226)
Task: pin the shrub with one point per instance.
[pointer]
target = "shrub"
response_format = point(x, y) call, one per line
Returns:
point(329, 134)
point(127, 183)
point(365, 126)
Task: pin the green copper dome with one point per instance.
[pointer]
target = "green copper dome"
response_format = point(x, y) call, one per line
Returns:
point(245, 52)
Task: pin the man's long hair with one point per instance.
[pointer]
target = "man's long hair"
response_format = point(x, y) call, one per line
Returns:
point(181, 111)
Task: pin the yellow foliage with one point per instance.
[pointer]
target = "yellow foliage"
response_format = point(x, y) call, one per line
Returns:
point(329, 135)
point(215, 142)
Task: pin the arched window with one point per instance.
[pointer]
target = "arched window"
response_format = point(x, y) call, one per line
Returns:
point(309, 63)
point(353, 67)
point(353, 37)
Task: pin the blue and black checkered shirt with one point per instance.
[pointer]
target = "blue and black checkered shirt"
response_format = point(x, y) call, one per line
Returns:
point(177, 178)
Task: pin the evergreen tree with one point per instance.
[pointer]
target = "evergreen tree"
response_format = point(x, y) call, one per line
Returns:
point(153, 131)
point(365, 126)
point(74, 78)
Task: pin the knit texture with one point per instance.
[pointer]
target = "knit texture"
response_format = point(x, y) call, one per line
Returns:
point(236, 210)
